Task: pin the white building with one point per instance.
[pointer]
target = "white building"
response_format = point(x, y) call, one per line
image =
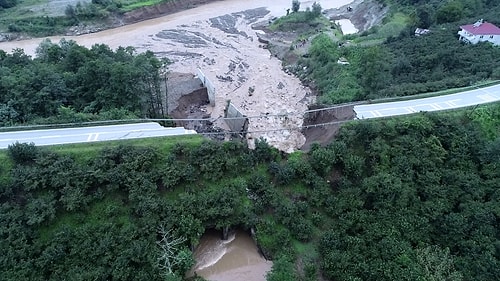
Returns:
point(480, 32)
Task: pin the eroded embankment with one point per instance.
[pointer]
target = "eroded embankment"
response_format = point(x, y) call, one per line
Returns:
point(162, 9)
point(363, 14)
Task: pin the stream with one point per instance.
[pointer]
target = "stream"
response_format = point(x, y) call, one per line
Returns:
point(234, 259)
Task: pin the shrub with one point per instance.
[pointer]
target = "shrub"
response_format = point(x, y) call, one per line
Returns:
point(295, 6)
point(23, 153)
point(14, 28)
point(7, 3)
point(316, 9)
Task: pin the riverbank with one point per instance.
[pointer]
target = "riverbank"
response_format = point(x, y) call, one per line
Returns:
point(56, 13)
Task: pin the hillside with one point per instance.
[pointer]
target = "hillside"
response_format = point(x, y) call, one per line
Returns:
point(408, 198)
point(388, 60)
point(386, 201)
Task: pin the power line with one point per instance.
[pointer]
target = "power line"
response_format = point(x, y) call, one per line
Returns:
point(297, 128)
point(212, 120)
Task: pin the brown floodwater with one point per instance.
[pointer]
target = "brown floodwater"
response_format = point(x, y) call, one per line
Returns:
point(234, 259)
point(139, 34)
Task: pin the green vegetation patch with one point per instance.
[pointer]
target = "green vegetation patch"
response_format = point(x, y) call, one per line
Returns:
point(295, 21)
point(68, 83)
point(393, 25)
point(87, 151)
point(39, 26)
point(6, 167)
point(127, 6)
point(385, 193)
point(390, 61)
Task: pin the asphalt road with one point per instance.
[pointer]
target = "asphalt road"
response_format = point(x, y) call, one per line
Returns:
point(151, 129)
point(463, 99)
point(90, 134)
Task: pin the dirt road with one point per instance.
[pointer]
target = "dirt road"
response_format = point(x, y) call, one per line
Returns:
point(218, 39)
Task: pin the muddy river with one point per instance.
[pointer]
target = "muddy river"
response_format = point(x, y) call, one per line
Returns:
point(234, 259)
point(139, 34)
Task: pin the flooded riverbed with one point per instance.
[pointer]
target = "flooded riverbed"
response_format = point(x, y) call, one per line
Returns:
point(234, 259)
point(138, 33)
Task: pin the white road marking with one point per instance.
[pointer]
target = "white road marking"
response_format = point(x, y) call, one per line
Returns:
point(93, 137)
point(436, 106)
point(487, 97)
point(452, 101)
point(410, 109)
point(450, 104)
point(58, 136)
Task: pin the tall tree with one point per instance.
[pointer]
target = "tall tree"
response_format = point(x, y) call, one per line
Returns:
point(374, 70)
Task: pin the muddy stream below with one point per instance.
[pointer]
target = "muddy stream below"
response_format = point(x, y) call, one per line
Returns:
point(234, 259)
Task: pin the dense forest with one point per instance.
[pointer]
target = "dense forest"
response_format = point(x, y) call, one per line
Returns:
point(404, 64)
point(411, 198)
point(67, 82)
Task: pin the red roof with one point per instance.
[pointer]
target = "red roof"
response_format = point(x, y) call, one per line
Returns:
point(485, 28)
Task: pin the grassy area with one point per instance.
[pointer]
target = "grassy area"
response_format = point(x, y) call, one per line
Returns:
point(110, 207)
point(45, 17)
point(70, 220)
point(135, 4)
point(83, 152)
point(38, 16)
point(392, 26)
point(29, 9)
point(87, 151)
point(5, 169)
point(305, 249)
point(298, 21)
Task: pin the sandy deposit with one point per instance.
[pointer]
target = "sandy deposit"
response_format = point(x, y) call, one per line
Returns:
point(218, 39)
point(227, 51)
